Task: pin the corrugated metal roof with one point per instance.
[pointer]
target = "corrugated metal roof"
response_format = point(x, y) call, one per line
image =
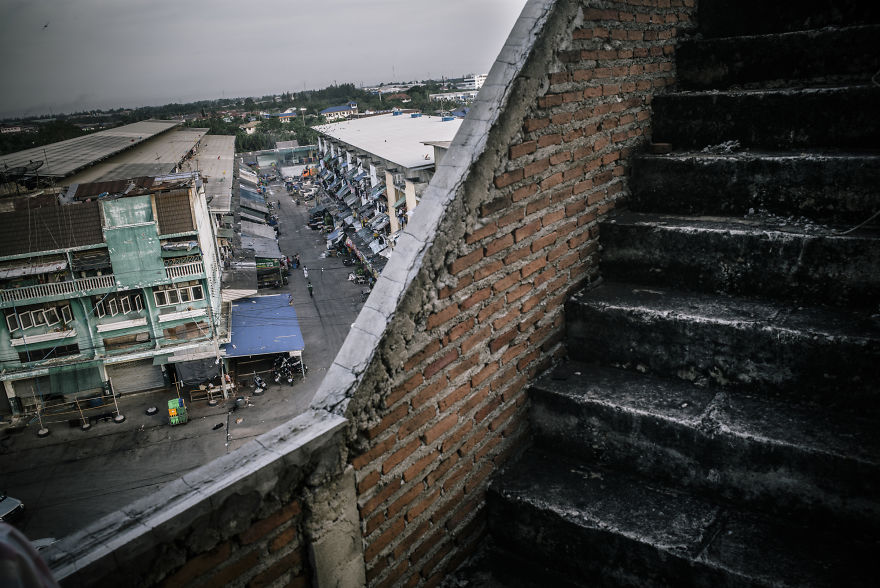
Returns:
point(50, 228)
point(65, 157)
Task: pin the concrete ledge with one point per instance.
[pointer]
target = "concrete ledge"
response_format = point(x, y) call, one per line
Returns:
point(125, 539)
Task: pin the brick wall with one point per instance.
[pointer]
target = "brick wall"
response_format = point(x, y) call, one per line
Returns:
point(484, 314)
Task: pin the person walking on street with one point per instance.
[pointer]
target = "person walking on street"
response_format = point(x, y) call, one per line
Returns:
point(310, 288)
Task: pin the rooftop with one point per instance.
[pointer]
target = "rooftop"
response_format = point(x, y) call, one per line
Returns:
point(158, 156)
point(400, 139)
point(66, 157)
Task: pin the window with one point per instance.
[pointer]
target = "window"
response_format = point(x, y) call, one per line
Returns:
point(51, 314)
point(161, 298)
point(66, 314)
point(173, 297)
point(138, 304)
point(12, 322)
point(198, 293)
point(112, 307)
point(25, 320)
point(184, 294)
point(99, 309)
point(38, 317)
point(125, 304)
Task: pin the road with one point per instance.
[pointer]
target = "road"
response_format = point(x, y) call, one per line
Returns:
point(72, 477)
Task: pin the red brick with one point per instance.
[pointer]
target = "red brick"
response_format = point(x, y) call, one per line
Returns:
point(536, 167)
point(490, 310)
point(283, 539)
point(524, 192)
point(403, 501)
point(460, 330)
point(435, 432)
point(415, 421)
point(375, 546)
point(419, 356)
point(466, 261)
point(481, 233)
point(234, 570)
point(429, 393)
point(408, 386)
point(517, 254)
point(502, 340)
point(498, 244)
point(398, 456)
point(553, 180)
point(456, 395)
point(532, 267)
point(449, 461)
point(290, 562)
point(527, 230)
point(368, 481)
point(518, 293)
point(506, 282)
point(488, 269)
point(508, 178)
point(518, 151)
point(463, 365)
point(558, 158)
point(263, 527)
point(534, 124)
point(547, 140)
point(511, 217)
point(476, 298)
point(387, 421)
point(553, 217)
point(480, 336)
point(537, 205)
point(483, 374)
point(422, 505)
point(198, 566)
point(442, 316)
point(373, 453)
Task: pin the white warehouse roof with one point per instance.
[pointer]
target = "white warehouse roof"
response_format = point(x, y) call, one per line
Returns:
point(400, 139)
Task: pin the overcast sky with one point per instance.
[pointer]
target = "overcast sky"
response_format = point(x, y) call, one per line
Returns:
point(112, 53)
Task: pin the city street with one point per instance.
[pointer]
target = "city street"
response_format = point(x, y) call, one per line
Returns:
point(73, 477)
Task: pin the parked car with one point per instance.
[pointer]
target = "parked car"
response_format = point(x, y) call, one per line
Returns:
point(10, 508)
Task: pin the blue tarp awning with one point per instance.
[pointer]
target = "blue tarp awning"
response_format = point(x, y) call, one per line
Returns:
point(264, 325)
point(334, 235)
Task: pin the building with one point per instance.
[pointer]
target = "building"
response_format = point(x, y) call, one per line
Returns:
point(376, 168)
point(338, 112)
point(105, 288)
point(465, 96)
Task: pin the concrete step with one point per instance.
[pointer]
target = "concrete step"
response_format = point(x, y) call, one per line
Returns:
point(830, 56)
point(769, 455)
point(754, 256)
point(793, 118)
point(611, 529)
point(752, 17)
point(836, 188)
point(827, 355)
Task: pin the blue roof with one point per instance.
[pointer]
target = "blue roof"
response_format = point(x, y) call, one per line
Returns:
point(264, 325)
point(337, 108)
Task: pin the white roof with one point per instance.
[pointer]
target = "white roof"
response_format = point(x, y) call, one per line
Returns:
point(399, 139)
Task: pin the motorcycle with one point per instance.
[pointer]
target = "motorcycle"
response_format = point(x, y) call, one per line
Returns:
point(259, 385)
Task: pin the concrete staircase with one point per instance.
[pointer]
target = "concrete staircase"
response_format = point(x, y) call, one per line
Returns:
point(718, 422)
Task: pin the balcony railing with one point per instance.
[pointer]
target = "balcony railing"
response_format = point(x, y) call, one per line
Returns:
point(184, 270)
point(81, 285)
point(57, 288)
